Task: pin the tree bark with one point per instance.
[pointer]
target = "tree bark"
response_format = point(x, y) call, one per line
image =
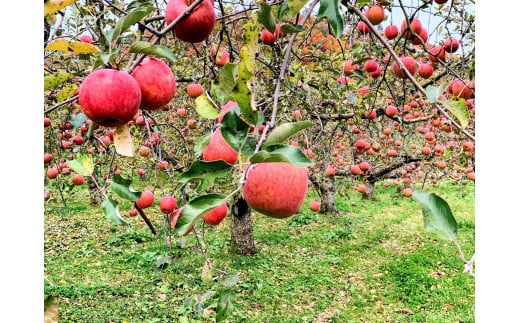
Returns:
point(327, 187)
point(242, 240)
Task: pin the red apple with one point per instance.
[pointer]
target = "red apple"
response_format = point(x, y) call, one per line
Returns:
point(194, 90)
point(330, 171)
point(462, 89)
point(391, 110)
point(110, 97)
point(197, 26)
point(375, 14)
point(215, 216)
point(222, 58)
point(156, 81)
point(144, 151)
point(132, 212)
point(269, 38)
point(86, 38)
point(415, 26)
point(425, 70)
point(168, 204)
point(314, 205)
point(407, 192)
point(391, 31)
point(363, 28)
point(47, 158)
point(364, 166)
point(46, 122)
point(437, 54)
point(146, 199)
point(410, 65)
point(355, 170)
point(218, 148)
point(78, 179)
point(77, 140)
point(371, 65)
point(225, 109)
point(440, 1)
point(275, 189)
point(451, 45)
point(52, 173)
point(348, 68)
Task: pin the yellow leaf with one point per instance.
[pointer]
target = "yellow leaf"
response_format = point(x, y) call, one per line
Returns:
point(66, 92)
point(123, 141)
point(58, 44)
point(74, 46)
point(52, 6)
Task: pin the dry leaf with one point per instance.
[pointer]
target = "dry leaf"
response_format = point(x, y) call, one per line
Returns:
point(123, 141)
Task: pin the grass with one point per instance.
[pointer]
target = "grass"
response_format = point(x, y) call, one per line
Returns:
point(375, 265)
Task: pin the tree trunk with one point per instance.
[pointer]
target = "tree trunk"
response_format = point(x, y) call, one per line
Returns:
point(327, 192)
point(242, 241)
point(369, 194)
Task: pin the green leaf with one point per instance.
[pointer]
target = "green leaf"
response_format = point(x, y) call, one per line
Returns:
point(230, 280)
point(282, 132)
point(81, 164)
point(282, 153)
point(111, 211)
point(205, 107)
point(234, 130)
point(244, 97)
point(223, 85)
point(291, 29)
point(266, 16)
point(433, 93)
point(131, 18)
point(195, 209)
point(123, 187)
point(201, 170)
point(330, 10)
point(76, 120)
point(295, 6)
point(458, 108)
point(143, 47)
point(437, 214)
point(53, 80)
point(201, 143)
point(225, 306)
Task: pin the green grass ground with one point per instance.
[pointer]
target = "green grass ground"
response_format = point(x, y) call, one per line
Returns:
point(375, 265)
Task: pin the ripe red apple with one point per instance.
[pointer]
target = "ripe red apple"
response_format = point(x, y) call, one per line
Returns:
point(47, 158)
point(162, 164)
point(371, 65)
point(391, 31)
point(364, 166)
point(110, 97)
point(462, 89)
point(391, 110)
point(146, 199)
point(269, 38)
point(362, 188)
point(425, 70)
point(275, 189)
point(451, 45)
point(194, 90)
point(415, 26)
point(407, 192)
point(297, 114)
point(437, 54)
point(409, 63)
point(376, 73)
point(363, 28)
point(144, 151)
point(423, 35)
point(225, 109)
point(52, 173)
point(197, 26)
point(218, 148)
point(314, 205)
point(132, 212)
point(355, 170)
point(46, 122)
point(330, 171)
point(77, 140)
point(78, 179)
point(156, 81)
point(426, 151)
point(215, 216)
point(86, 38)
point(375, 14)
point(168, 204)
point(222, 58)
point(140, 172)
point(348, 68)
point(440, 1)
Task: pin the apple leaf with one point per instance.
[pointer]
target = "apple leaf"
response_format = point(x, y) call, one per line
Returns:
point(266, 17)
point(111, 211)
point(433, 93)
point(230, 280)
point(223, 84)
point(195, 209)
point(200, 170)
point(330, 10)
point(123, 187)
point(234, 130)
point(50, 7)
point(76, 120)
point(81, 164)
point(131, 18)
point(66, 92)
point(282, 132)
point(123, 141)
point(291, 29)
point(295, 6)
point(72, 46)
point(205, 107)
point(437, 214)
point(282, 153)
point(53, 80)
point(225, 306)
point(143, 47)
point(458, 108)
point(201, 143)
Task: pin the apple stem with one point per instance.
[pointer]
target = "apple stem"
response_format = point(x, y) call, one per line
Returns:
point(145, 218)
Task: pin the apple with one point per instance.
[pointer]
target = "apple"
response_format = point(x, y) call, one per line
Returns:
point(215, 216)
point(437, 54)
point(407, 192)
point(167, 204)
point(222, 58)
point(197, 26)
point(105, 140)
point(415, 26)
point(451, 45)
point(78, 179)
point(140, 172)
point(269, 38)
point(423, 37)
point(162, 164)
point(225, 109)
point(47, 158)
point(156, 81)
point(218, 148)
point(194, 90)
point(52, 172)
point(355, 170)
point(409, 63)
point(275, 189)
point(144, 151)
point(348, 67)
point(77, 140)
point(46, 122)
point(391, 110)
point(429, 136)
point(363, 28)
point(314, 205)
point(426, 151)
point(440, 1)
point(146, 199)
point(330, 171)
point(86, 38)
point(391, 31)
point(425, 70)
point(132, 212)
point(376, 73)
point(297, 114)
point(371, 65)
point(110, 97)
point(364, 166)
point(375, 14)
point(362, 188)
point(462, 89)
